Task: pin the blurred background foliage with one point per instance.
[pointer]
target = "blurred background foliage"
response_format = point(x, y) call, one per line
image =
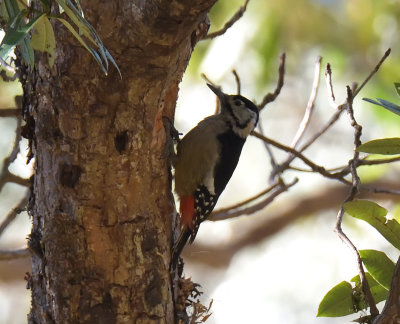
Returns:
point(352, 36)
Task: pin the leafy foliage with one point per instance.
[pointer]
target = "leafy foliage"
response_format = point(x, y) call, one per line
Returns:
point(22, 20)
point(43, 38)
point(387, 104)
point(374, 215)
point(348, 298)
point(338, 301)
point(379, 266)
point(386, 146)
point(379, 293)
point(345, 299)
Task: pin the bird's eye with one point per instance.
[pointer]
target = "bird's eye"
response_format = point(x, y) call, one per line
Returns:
point(238, 102)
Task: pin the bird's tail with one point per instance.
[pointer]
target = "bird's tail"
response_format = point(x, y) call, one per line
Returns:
point(179, 245)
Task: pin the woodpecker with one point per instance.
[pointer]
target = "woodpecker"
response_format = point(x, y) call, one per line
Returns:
point(205, 161)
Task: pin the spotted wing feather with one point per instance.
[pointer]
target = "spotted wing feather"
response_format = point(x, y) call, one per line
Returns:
point(204, 203)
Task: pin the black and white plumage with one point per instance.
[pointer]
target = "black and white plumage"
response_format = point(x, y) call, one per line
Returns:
point(206, 159)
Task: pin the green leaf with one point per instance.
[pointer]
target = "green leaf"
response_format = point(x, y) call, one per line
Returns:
point(386, 146)
point(397, 87)
point(83, 42)
point(379, 293)
point(337, 302)
point(374, 215)
point(396, 213)
point(27, 51)
point(379, 266)
point(79, 7)
point(12, 36)
point(86, 29)
point(109, 56)
point(385, 104)
point(43, 38)
point(102, 56)
point(17, 34)
point(77, 18)
point(3, 12)
point(12, 8)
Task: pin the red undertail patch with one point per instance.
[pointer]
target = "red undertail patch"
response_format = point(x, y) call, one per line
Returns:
point(187, 211)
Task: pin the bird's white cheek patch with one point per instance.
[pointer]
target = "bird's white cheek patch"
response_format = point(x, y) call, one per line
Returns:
point(243, 133)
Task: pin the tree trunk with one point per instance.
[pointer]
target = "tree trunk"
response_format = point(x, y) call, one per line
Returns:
point(391, 311)
point(101, 201)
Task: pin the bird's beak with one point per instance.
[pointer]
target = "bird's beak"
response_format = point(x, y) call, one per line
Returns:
point(221, 96)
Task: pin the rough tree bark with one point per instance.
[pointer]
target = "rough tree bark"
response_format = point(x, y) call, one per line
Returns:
point(101, 199)
point(391, 311)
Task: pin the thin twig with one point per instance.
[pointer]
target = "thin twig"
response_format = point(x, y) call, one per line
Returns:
point(10, 112)
point(352, 194)
point(380, 190)
point(310, 105)
point(267, 147)
point(207, 79)
point(12, 214)
point(328, 78)
point(15, 254)
point(237, 79)
point(313, 166)
point(286, 164)
point(384, 57)
point(231, 213)
point(345, 169)
point(281, 78)
point(328, 125)
point(5, 174)
point(378, 161)
point(247, 201)
point(229, 23)
point(7, 66)
point(216, 111)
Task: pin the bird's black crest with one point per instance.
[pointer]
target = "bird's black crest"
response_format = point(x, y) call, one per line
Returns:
point(249, 104)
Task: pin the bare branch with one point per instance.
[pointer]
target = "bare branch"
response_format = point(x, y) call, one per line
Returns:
point(5, 174)
point(285, 165)
point(328, 125)
point(237, 78)
point(378, 161)
point(262, 228)
point(345, 169)
point(10, 112)
point(310, 105)
point(328, 78)
point(352, 194)
point(384, 57)
point(7, 66)
point(245, 202)
point(10, 177)
point(12, 214)
point(229, 23)
point(313, 166)
point(15, 254)
point(380, 190)
point(205, 77)
point(269, 151)
point(235, 211)
point(281, 75)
